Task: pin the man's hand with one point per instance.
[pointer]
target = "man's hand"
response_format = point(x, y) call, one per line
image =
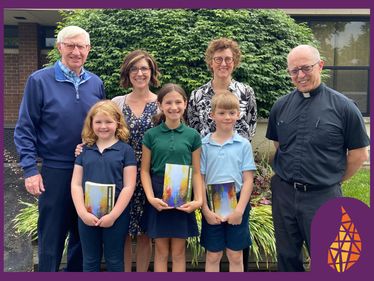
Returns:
point(34, 185)
point(355, 159)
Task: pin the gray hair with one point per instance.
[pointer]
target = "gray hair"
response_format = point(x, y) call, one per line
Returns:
point(313, 51)
point(72, 31)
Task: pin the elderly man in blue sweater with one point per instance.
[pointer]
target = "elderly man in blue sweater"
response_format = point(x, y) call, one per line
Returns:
point(55, 102)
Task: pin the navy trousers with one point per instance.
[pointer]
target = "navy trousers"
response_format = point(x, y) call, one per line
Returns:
point(57, 219)
point(110, 241)
point(293, 212)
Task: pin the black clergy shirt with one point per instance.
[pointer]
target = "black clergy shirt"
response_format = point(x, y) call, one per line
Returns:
point(314, 134)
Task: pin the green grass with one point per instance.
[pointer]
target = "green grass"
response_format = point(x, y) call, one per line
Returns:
point(358, 186)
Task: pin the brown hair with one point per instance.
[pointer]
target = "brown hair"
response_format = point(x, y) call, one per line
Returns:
point(167, 88)
point(222, 44)
point(131, 59)
point(110, 109)
point(225, 100)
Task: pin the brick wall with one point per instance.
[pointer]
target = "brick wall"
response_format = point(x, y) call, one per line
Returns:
point(13, 95)
point(17, 67)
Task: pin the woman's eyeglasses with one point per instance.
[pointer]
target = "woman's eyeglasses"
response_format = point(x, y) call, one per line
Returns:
point(143, 69)
point(219, 60)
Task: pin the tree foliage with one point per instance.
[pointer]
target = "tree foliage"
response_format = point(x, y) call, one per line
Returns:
point(178, 39)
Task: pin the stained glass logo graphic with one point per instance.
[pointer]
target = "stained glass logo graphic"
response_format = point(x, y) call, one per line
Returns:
point(345, 251)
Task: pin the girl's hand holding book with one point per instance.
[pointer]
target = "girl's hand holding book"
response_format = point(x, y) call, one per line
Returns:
point(159, 204)
point(189, 207)
point(235, 218)
point(106, 221)
point(89, 219)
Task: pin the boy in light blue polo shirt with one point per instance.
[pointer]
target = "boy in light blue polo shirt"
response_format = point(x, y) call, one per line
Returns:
point(226, 158)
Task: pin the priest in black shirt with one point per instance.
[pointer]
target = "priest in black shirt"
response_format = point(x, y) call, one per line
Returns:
point(320, 141)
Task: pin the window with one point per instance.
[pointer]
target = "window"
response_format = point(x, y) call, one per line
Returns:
point(11, 36)
point(47, 37)
point(353, 83)
point(345, 47)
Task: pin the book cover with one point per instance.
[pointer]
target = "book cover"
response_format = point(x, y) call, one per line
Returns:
point(177, 184)
point(99, 198)
point(222, 198)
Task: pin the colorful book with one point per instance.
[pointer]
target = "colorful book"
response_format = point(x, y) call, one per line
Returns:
point(99, 198)
point(222, 198)
point(177, 184)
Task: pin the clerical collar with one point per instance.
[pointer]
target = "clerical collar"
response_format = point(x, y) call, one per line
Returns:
point(306, 95)
point(313, 92)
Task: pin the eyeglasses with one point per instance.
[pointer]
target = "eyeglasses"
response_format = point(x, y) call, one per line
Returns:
point(306, 69)
point(219, 60)
point(143, 69)
point(71, 46)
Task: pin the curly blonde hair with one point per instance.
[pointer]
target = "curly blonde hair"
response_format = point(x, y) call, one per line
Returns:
point(110, 109)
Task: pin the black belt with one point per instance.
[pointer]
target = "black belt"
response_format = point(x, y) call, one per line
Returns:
point(304, 187)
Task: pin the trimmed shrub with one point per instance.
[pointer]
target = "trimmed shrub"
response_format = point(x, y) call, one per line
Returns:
point(178, 39)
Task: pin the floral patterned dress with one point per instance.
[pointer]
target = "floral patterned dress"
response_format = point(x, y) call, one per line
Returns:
point(137, 127)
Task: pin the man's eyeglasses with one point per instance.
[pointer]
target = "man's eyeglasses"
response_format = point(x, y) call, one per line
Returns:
point(71, 46)
point(135, 69)
point(305, 68)
point(219, 60)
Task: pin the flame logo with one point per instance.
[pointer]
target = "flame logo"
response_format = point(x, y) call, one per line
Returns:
point(345, 251)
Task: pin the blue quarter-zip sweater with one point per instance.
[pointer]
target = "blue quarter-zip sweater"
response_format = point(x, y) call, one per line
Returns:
point(51, 118)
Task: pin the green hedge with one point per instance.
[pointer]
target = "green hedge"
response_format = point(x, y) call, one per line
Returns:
point(178, 39)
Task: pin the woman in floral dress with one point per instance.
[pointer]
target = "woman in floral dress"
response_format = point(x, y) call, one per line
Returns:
point(139, 71)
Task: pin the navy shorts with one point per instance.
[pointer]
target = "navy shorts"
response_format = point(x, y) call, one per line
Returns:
point(216, 238)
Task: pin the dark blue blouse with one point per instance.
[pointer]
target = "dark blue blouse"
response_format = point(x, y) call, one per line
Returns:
point(106, 167)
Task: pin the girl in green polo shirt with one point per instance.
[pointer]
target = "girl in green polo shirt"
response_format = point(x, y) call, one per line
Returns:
point(171, 142)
